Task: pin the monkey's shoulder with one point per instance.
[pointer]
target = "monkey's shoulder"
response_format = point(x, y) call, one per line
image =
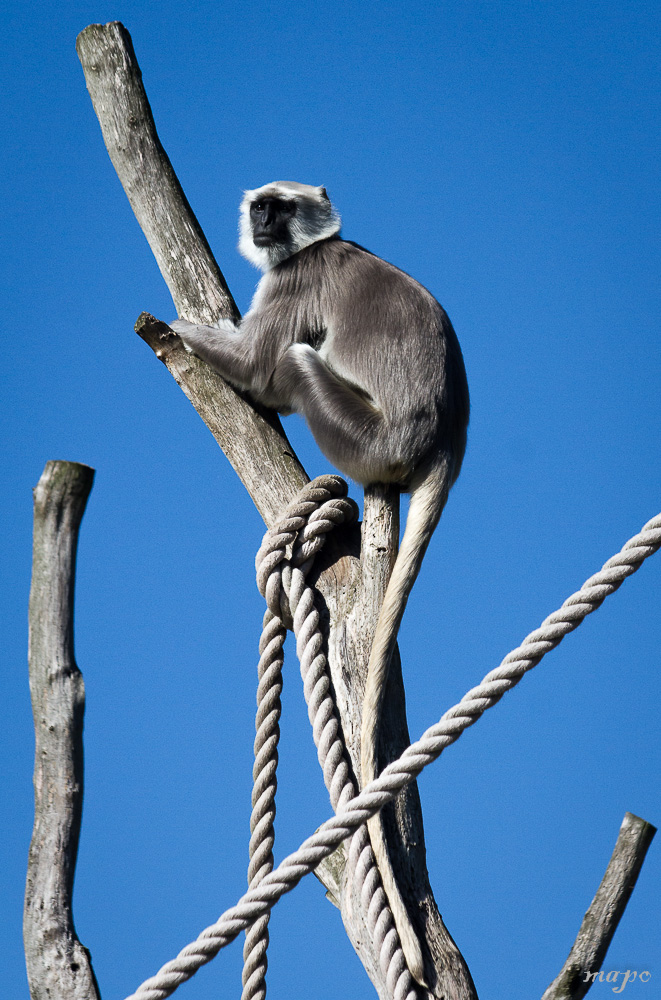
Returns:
point(338, 253)
point(348, 266)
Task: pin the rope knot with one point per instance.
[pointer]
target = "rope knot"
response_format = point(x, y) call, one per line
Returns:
point(297, 537)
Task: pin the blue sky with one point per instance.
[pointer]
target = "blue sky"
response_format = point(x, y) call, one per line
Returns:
point(507, 156)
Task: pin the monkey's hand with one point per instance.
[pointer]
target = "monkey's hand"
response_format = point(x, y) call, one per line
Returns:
point(196, 337)
point(222, 346)
point(182, 328)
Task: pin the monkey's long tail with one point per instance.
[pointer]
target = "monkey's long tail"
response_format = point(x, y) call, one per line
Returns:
point(428, 497)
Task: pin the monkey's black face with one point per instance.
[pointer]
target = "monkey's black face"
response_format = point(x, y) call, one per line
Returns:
point(270, 219)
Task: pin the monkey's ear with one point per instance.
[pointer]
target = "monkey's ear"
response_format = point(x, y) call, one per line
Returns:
point(322, 192)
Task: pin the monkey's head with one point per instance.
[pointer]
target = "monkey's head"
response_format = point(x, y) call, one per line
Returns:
point(279, 219)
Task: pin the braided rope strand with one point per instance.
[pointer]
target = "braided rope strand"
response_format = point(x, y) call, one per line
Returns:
point(399, 773)
point(277, 543)
point(265, 784)
point(269, 707)
point(302, 531)
point(327, 734)
point(306, 519)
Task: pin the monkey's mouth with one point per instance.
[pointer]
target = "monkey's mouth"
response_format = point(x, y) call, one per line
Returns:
point(263, 241)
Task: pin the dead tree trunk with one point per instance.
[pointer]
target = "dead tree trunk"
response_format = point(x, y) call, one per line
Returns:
point(604, 913)
point(58, 966)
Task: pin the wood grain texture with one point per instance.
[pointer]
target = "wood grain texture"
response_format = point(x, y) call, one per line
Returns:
point(58, 966)
point(349, 590)
point(600, 922)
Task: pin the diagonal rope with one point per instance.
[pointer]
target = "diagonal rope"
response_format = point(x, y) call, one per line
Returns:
point(258, 901)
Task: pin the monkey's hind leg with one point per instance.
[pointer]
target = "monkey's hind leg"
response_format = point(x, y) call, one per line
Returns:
point(348, 427)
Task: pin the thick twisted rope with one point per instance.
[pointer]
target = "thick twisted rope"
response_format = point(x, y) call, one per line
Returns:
point(278, 542)
point(282, 563)
point(282, 582)
point(399, 773)
point(262, 834)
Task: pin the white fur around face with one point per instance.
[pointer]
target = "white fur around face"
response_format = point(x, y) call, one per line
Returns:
point(315, 219)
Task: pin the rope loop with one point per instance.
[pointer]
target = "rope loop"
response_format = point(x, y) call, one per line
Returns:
point(302, 517)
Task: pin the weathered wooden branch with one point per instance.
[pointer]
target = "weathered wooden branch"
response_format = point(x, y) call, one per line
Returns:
point(59, 967)
point(604, 914)
point(349, 590)
point(252, 439)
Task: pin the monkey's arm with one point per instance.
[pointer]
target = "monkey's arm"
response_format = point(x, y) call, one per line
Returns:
point(224, 347)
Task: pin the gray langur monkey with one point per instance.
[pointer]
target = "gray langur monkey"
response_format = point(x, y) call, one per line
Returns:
point(370, 359)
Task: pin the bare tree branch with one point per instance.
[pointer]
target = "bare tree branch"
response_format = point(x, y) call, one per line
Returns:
point(604, 914)
point(252, 439)
point(59, 967)
point(254, 442)
point(114, 82)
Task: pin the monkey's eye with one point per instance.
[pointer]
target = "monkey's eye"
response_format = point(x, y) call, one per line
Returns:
point(259, 206)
